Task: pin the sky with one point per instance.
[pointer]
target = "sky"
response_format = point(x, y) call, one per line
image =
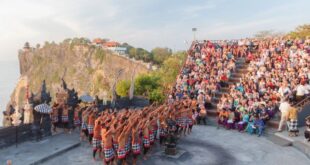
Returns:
point(143, 23)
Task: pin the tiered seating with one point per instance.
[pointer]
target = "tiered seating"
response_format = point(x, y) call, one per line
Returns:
point(246, 76)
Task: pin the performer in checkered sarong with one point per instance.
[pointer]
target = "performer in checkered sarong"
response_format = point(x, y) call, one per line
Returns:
point(135, 143)
point(292, 121)
point(162, 134)
point(76, 118)
point(189, 121)
point(151, 135)
point(146, 144)
point(124, 145)
point(90, 126)
point(84, 132)
point(108, 145)
point(127, 147)
point(54, 116)
point(108, 155)
point(65, 118)
point(127, 131)
point(97, 139)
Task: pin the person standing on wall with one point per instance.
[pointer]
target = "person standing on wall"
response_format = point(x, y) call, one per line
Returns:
point(284, 108)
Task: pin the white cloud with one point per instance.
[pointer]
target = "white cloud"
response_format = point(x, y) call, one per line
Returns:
point(139, 22)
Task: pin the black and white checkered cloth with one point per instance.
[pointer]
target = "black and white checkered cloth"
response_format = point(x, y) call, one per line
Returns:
point(43, 108)
point(292, 125)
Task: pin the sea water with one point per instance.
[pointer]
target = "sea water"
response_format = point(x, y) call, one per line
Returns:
point(9, 74)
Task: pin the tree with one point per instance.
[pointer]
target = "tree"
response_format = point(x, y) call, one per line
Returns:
point(122, 88)
point(132, 52)
point(100, 54)
point(170, 69)
point(161, 54)
point(157, 95)
point(140, 54)
point(145, 84)
point(302, 31)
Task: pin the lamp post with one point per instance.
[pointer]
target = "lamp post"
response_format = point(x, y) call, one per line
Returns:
point(16, 122)
point(194, 33)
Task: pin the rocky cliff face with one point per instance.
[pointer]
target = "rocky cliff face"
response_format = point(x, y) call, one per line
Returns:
point(84, 67)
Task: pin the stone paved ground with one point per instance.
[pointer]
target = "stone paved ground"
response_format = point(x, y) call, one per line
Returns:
point(31, 152)
point(207, 146)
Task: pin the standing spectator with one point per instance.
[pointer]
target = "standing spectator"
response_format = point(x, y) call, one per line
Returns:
point(292, 121)
point(284, 108)
point(300, 92)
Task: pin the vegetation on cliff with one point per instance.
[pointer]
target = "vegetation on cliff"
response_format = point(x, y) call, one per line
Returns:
point(157, 84)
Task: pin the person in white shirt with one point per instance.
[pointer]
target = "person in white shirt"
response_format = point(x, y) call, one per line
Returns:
point(284, 108)
point(284, 90)
point(300, 92)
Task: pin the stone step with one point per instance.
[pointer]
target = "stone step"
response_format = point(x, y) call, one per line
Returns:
point(214, 105)
point(219, 94)
point(303, 147)
point(242, 70)
point(224, 90)
point(212, 113)
point(279, 141)
point(236, 75)
point(241, 66)
point(215, 99)
point(274, 124)
point(234, 79)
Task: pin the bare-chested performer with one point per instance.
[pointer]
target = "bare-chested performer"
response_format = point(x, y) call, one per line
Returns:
point(84, 132)
point(97, 138)
point(136, 142)
point(122, 139)
point(108, 148)
point(90, 126)
point(146, 138)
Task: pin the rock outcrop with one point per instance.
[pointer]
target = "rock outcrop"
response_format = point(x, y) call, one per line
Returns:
point(84, 67)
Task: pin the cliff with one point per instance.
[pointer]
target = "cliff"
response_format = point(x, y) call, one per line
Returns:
point(84, 67)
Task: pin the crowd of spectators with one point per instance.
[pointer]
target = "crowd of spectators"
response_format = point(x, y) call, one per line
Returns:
point(277, 69)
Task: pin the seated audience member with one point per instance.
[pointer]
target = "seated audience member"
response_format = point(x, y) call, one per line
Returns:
point(243, 123)
point(231, 120)
point(223, 117)
point(259, 125)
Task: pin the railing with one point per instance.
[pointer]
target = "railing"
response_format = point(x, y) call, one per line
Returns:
point(303, 102)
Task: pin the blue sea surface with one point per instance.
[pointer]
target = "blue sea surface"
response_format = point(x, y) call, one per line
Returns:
point(9, 74)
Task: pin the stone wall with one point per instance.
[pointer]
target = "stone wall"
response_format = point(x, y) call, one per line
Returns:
point(303, 114)
point(8, 135)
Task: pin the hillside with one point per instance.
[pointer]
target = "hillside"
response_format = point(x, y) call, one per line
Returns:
point(85, 67)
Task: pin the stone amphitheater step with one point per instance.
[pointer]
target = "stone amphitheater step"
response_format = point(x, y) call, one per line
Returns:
point(234, 79)
point(215, 99)
point(212, 113)
point(224, 89)
point(242, 70)
point(236, 75)
point(219, 94)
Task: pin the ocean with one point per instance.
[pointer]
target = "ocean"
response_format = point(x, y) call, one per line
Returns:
point(9, 74)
